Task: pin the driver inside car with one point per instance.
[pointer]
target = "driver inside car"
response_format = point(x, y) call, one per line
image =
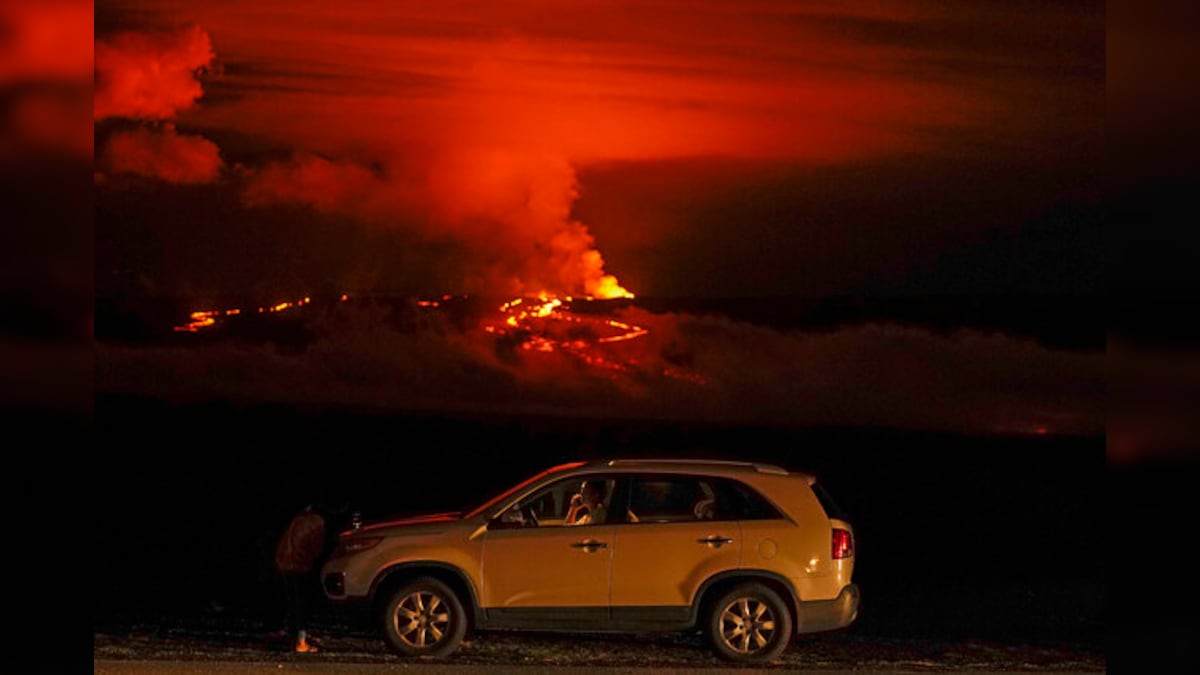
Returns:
point(587, 507)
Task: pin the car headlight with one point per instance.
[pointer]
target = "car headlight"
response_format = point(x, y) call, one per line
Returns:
point(356, 545)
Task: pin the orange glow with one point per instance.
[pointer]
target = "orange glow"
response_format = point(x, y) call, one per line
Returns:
point(208, 318)
point(199, 320)
point(446, 297)
point(544, 324)
point(608, 288)
point(630, 333)
point(539, 321)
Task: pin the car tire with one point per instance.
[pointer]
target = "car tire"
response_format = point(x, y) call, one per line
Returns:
point(749, 623)
point(424, 617)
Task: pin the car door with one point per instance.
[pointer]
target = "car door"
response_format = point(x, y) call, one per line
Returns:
point(670, 539)
point(548, 574)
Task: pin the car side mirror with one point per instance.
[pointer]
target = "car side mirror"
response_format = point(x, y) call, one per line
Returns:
point(511, 519)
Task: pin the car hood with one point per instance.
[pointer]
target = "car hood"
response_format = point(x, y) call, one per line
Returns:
point(425, 524)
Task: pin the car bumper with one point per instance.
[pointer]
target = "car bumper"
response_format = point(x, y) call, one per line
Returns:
point(815, 616)
point(335, 585)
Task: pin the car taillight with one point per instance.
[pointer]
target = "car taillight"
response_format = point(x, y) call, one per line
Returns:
point(843, 544)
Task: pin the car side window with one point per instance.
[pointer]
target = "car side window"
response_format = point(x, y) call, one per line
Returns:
point(674, 499)
point(578, 501)
point(738, 501)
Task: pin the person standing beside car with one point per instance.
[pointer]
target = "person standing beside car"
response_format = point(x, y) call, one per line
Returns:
point(296, 554)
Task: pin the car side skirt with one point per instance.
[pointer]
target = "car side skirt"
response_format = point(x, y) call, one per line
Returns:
point(619, 619)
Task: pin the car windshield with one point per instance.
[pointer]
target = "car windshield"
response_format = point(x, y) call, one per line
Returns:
point(520, 486)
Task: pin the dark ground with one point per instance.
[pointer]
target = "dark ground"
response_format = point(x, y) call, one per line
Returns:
point(965, 544)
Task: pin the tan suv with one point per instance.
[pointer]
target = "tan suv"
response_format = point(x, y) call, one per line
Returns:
point(748, 553)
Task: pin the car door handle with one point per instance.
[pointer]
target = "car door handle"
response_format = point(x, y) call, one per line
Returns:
point(715, 542)
point(589, 545)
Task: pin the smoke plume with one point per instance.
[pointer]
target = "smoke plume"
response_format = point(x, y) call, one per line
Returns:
point(511, 211)
point(150, 75)
point(164, 154)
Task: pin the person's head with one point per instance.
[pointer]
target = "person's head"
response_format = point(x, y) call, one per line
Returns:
point(592, 492)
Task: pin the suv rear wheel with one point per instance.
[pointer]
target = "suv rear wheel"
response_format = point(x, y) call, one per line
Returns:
point(750, 623)
point(424, 617)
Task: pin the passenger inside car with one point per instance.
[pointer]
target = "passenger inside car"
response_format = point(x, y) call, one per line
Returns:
point(587, 507)
point(705, 507)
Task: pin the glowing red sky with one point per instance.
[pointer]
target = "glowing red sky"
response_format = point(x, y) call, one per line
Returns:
point(634, 80)
point(443, 119)
point(692, 149)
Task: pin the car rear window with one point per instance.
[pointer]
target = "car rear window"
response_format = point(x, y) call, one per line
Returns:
point(831, 507)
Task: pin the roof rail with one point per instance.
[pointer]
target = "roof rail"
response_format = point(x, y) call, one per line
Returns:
point(760, 468)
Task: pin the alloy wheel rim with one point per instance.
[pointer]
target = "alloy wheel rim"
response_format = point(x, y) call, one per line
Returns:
point(421, 619)
point(747, 625)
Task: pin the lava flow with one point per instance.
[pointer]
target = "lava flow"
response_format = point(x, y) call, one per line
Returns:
point(538, 324)
point(546, 324)
point(208, 318)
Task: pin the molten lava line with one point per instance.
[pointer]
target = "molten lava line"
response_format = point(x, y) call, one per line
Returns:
point(531, 320)
point(208, 318)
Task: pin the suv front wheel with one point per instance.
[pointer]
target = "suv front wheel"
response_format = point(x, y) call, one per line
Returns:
point(424, 617)
point(749, 623)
